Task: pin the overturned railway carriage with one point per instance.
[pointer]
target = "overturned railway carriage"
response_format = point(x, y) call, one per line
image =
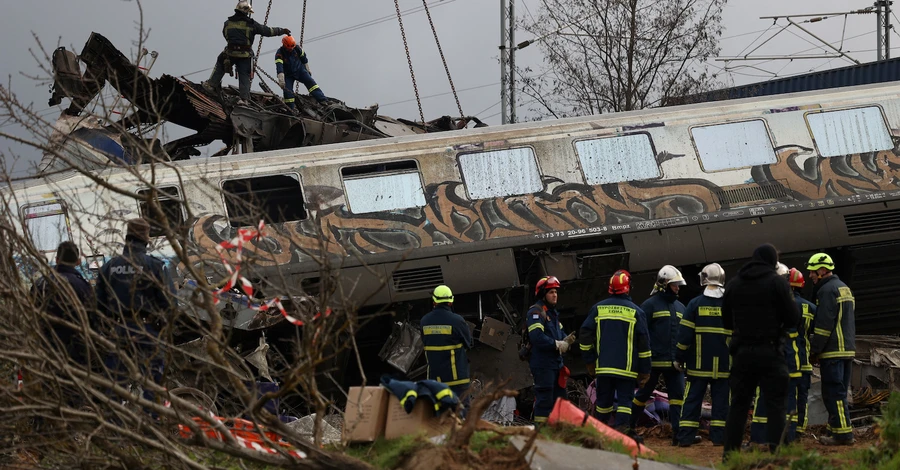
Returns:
point(489, 211)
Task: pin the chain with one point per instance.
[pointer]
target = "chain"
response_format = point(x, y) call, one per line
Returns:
point(302, 24)
point(409, 60)
point(441, 52)
point(259, 46)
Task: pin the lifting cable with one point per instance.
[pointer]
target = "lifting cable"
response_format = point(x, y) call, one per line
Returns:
point(259, 46)
point(302, 29)
point(444, 60)
point(409, 60)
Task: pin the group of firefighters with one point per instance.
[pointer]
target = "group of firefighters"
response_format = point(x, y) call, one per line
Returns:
point(757, 337)
point(291, 63)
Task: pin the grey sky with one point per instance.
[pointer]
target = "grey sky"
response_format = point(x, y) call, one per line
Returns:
point(368, 65)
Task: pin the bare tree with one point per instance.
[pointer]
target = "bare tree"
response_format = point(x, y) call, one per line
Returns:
point(618, 55)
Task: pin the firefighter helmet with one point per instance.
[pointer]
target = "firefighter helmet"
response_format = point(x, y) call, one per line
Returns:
point(668, 274)
point(795, 278)
point(620, 282)
point(442, 295)
point(781, 269)
point(545, 284)
point(820, 260)
point(244, 6)
point(288, 42)
point(712, 275)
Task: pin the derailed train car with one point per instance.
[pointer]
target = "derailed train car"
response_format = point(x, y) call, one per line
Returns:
point(489, 211)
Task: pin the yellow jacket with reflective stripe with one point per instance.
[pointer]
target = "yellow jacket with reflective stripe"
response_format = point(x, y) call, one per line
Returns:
point(614, 338)
point(446, 338)
point(834, 328)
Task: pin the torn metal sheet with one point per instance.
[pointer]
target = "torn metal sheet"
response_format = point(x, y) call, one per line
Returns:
point(403, 347)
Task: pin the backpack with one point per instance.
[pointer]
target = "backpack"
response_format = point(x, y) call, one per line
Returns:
point(525, 343)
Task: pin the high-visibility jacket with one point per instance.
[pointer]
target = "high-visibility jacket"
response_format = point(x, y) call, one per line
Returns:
point(614, 337)
point(291, 62)
point(834, 332)
point(240, 30)
point(703, 340)
point(808, 312)
point(544, 330)
point(446, 338)
point(664, 312)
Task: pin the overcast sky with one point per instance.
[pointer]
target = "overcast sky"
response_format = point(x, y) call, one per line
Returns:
point(364, 65)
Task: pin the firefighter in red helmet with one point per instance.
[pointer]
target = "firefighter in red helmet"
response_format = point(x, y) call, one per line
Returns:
point(548, 344)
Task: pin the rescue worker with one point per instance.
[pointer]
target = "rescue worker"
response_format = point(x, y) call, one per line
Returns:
point(758, 307)
point(807, 313)
point(446, 337)
point(136, 293)
point(292, 64)
point(50, 294)
point(240, 31)
point(615, 346)
point(832, 345)
point(548, 344)
point(702, 350)
point(664, 312)
point(795, 358)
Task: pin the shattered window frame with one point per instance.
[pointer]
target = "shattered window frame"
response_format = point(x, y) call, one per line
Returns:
point(596, 169)
point(31, 212)
point(273, 210)
point(503, 179)
point(833, 131)
point(169, 198)
point(397, 175)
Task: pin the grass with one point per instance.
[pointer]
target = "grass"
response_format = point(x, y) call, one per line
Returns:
point(385, 453)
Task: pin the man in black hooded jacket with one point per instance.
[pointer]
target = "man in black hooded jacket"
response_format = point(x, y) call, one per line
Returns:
point(758, 307)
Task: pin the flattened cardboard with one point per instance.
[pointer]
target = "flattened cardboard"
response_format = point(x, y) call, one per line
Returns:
point(420, 420)
point(364, 417)
point(494, 333)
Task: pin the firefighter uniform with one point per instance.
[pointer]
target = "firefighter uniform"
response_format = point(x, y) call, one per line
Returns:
point(795, 360)
point(832, 341)
point(808, 312)
point(544, 330)
point(615, 339)
point(703, 349)
point(292, 63)
point(664, 312)
point(447, 338)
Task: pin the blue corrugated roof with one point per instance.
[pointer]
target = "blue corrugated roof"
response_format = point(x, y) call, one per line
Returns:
point(863, 74)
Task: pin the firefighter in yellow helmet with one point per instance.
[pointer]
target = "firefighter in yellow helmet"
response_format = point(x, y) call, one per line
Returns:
point(447, 338)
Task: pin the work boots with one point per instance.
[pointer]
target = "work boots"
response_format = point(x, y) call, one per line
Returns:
point(834, 441)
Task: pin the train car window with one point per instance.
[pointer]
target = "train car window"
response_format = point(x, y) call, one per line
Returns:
point(733, 145)
point(499, 173)
point(275, 199)
point(47, 225)
point(382, 187)
point(172, 210)
point(849, 131)
point(617, 159)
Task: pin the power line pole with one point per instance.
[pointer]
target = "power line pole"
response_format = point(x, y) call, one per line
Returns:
point(883, 28)
point(512, 61)
point(504, 67)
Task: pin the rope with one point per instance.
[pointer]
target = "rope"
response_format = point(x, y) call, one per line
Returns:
point(303, 24)
point(444, 60)
point(412, 74)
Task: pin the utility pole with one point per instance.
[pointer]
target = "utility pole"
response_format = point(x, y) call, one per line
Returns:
point(883, 28)
point(504, 67)
point(512, 61)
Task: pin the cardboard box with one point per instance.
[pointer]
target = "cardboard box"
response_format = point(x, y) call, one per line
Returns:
point(420, 420)
point(494, 333)
point(364, 417)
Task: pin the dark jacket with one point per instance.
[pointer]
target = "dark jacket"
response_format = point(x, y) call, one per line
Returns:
point(664, 312)
point(544, 330)
point(446, 337)
point(758, 305)
point(703, 339)
point(49, 295)
point(291, 62)
point(807, 314)
point(135, 287)
point(240, 31)
point(614, 337)
point(834, 332)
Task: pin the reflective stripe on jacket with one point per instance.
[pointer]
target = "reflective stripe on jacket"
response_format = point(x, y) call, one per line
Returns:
point(294, 61)
point(834, 332)
point(446, 337)
point(703, 339)
point(808, 312)
point(544, 330)
point(614, 337)
point(240, 31)
point(663, 313)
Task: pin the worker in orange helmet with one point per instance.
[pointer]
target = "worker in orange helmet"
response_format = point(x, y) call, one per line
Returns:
point(291, 64)
point(548, 345)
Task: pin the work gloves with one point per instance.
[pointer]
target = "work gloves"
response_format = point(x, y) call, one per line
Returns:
point(281, 80)
point(562, 346)
point(284, 31)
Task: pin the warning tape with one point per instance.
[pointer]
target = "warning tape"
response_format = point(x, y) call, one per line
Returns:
point(247, 434)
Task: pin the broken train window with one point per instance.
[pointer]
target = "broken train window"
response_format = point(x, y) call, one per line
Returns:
point(379, 187)
point(500, 173)
point(275, 199)
point(170, 203)
point(47, 225)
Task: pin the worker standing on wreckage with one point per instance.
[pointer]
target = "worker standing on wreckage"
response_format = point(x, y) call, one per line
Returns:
point(664, 312)
point(548, 344)
point(240, 31)
point(615, 346)
point(292, 64)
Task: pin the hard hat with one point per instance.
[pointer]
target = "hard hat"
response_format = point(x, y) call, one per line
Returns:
point(781, 269)
point(620, 282)
point(820, 260)
point(712, 275)
point(288, 42)
point(668, 274)
point(545, 284)
point(795, 278)
point(244, 6)
point(442, 295)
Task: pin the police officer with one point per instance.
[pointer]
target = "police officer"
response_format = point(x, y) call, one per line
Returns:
point(135, 291)
point(795, 358)
point(292, 64)
point(240, 31)
point(807, 313)
point(447, 338)
point(664, 312)
point(833, 345)
point(702, 349)
point(615, 347)
point(758, 307)
point(547, 338)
